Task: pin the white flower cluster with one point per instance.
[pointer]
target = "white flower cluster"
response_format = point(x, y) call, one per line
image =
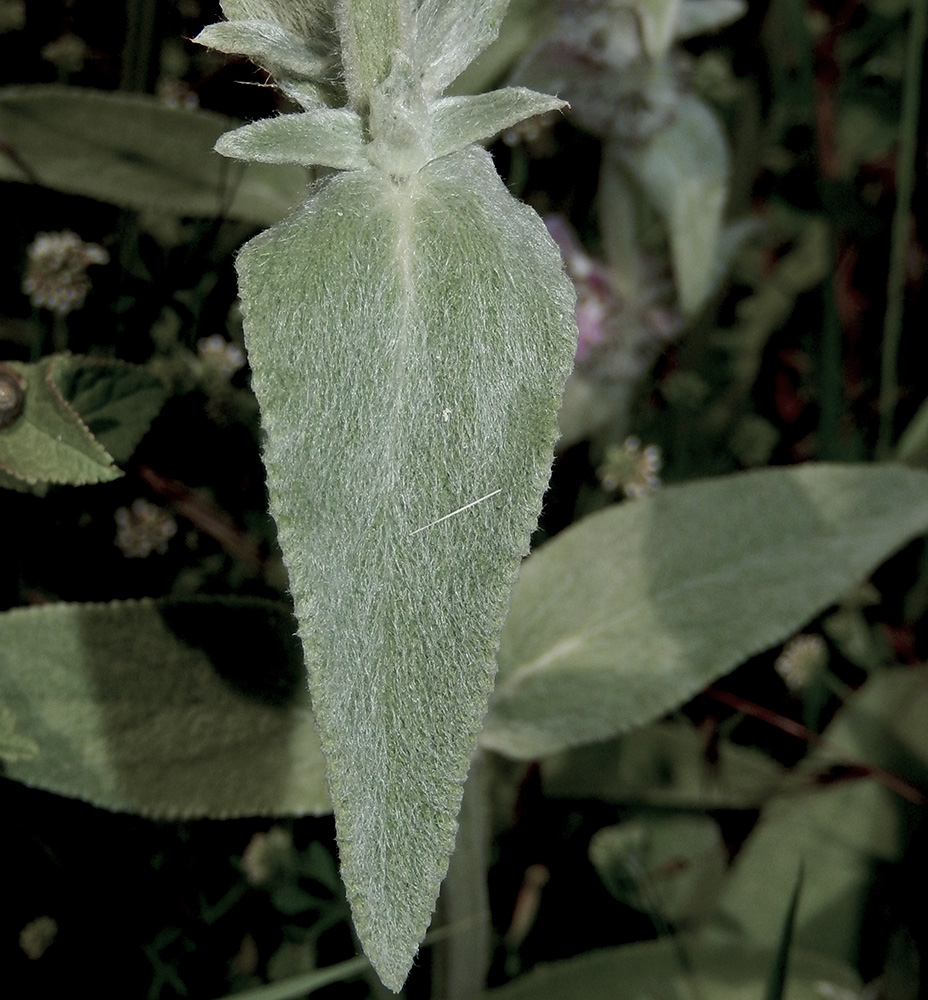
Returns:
point(56, 272)
point(143, 528)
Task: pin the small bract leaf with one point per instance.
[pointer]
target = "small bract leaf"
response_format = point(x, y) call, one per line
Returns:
point(48, 442)
point(409, 343)
point(268, 44)
point(459, 121)
point(629, 613)
point(165, 709)
point(133, 151)
point(450, 34)
point(327, 137)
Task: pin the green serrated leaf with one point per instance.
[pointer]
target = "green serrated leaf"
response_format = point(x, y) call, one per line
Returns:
point(629, 613)
point(329, 137)
point(268, 44)
point(459, 121)
point(450, 34)
point(409, 343)
point(116, 401)
point(165, 709)
point(133, 151)
point(48, 442)
point(684, 171)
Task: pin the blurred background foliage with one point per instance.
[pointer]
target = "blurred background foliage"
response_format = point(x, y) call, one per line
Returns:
point(738, 192)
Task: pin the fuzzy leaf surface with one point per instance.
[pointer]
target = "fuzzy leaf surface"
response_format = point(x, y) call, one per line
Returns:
point(328, 137)
point(450, 34)
point(268, 44)
point(629, 613)
point(459, 121)
point(409, 343)
point(133, 151)
point(49, 443)
point(169, 710)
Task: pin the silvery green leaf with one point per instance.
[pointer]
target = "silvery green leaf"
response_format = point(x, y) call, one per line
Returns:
point(696, 17)
point(459, 121)
point(450, 34)
point(328, 137)
point(307, 19)
point(409, 343)
point(684, 170)
point(629, 613)
point(268, 44)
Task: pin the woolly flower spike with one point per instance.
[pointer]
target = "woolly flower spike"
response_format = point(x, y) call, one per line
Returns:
point(631, 469)
point(143, 528)
point(220, 356)
point(56, 274)
point(802, 657)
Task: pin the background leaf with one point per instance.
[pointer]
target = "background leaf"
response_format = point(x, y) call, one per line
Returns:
point(165, 709)
point(117, 401)
point(134, 151)
point(652, 968)
point(684, 171)
point(632, 611)
point(840, 831)
point(409, 344)
point(49, 443)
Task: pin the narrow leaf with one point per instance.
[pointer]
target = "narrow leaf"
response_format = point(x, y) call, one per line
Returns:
point(371, 32)
point(268, 44)
point(168, 710)
point(450, 34)
point(327, 137)
point(684, 171)
point(409, 343)
point(843, 832)
point(459, 121)
point(629, 613)
point(48, 442)
point(133, 151)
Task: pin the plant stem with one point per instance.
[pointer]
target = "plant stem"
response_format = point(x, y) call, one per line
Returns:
point(462, 961)
point(905, 183)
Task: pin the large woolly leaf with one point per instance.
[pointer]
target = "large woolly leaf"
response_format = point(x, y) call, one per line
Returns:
point(48, 442)
point(168, 710)
point(629, 613)
point(133, 151)
point(409, 343)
